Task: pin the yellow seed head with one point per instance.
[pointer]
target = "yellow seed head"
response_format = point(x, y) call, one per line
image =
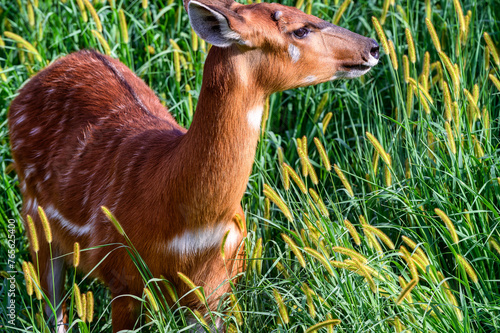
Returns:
point(492, 48)
point(351, 253)
point(468, 268)
point(76, 254)
point(326, 121)
point(286, 177)
point(320, 258)
point(319, 202)
point(447, 101)
point(460, 14)
point(340, 11)
point(322, 154)
point(94, 15)
point(295, 177)
point(344, 180)
point(434, 37)
point(151, 299)
point(236, 309)
point(324, 324)
point(406, 291)
point(409, 100)
point(451, 139)
point(84, 307)
point(24, 43)
point(493, 243)
point(281, 306)
point(45, 224)
point(113, 220)
point(33, 235)
point(275, 198)
point(27, 278)
point(223, 244)
point(381, 34)
point(294, 249)
point(36, 281)
point(198, 291)
point(81, 6)
point(411, 46)
point(495, 81)
point(385, 10)
point(406, 68)
point(257, 257)
point(387, 241)
point(392, 54)
point(102, 41)
point(353, 232)
point(448, 223)
point(78, 300)
point(123, 26)
point(376, 144)
point(320, 107)
point(90, 306)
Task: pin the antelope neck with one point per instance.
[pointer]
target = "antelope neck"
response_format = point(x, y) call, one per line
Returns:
point(221, 142)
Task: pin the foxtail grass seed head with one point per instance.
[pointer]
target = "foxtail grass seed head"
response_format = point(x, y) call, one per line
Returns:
point(24, 43)
point(295, 177)
point(170, 289)
point(84, 307)
point(495, 81)
point(2, 75)
point(81, 6)
point(475, 93)
point(452, 72)
point(385, 10)
point(460, 14)
point(387, 176)
point(281, 158)
point(353, 232)
point(236, 309)
point(376, 144)
point(113, 220)
point(94, 15)
point(90, 306)
point(286, 177)
point(223, 245)
point(409, 261)
point(324, 324)
point(144, 4)
point(201, 320)
point(45, 224)
point(351, 253)
point(409, 100)
point(294, 249)
point(317, 199)
point(194, 40)
point(299, 4)
point(406, 291)
point(406, 68)
point(392, 54)
point(323, 154)
point(76, 254)
point(36, 281)
point(472, 104)
point(152, 300)
point(407, 168)
point(411, 46)
point(383, 237)
point(375, 159)
point(198, 291)
point(320, 107)
point(381, 34)
point(451, 139)
point(257, 257)
point(78, 300)
point(468, 268)
point(27, 278)
point(340, 11)
point(456, 115)
point(33, 235)
point(302, 157)
point(177, 66)
point(326, 121)
point(281, 306)
point(123, 26)
point(344, 180)
point(434, 36)
point(493, 243)
point(304, 146)
point(492, 48)
point(321, 259)
point(31, 15)
point(102, 41)
point(448, 223)
point(275, 198)
point(447, 101)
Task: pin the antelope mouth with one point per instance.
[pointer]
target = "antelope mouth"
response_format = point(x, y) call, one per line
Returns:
point(357, 67)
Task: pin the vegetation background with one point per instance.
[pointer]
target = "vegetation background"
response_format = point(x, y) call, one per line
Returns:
point(401, 235)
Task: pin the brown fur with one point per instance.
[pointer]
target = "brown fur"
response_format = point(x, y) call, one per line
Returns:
point(86, 132)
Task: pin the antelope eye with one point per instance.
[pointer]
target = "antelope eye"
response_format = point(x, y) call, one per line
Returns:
point(301, 33)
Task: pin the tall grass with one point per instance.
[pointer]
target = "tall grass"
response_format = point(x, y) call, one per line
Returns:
point(415, 150)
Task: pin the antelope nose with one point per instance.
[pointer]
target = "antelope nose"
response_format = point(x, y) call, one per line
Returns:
point(374, 51)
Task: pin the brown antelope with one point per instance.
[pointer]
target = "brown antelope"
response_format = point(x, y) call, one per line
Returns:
point(86, 132)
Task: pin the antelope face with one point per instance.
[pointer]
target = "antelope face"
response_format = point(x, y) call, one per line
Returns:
point(285, 47)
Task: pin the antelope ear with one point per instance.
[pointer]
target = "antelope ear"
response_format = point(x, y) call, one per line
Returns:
point(212, 24)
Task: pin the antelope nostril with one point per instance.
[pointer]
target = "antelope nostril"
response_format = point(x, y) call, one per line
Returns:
point(374, 51)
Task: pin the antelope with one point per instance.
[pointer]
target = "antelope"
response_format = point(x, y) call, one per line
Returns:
point(86, 132)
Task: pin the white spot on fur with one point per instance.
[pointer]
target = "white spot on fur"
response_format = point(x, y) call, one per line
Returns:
point(75, 229)
point(35, 130)
point(310, 79)
point(199, 240)
point(294, 53)
point(254, 117)
point(28, 171)
point(20, 120)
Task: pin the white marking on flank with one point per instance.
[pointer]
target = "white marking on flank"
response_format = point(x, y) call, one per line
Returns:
point(35, 130)
point(199, 240)
point(77, 230)
point(310, 79)
point(254, 117)
point(294, 52)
